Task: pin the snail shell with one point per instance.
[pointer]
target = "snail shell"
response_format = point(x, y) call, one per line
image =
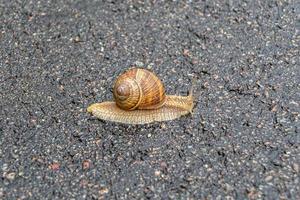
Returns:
point(139, 89)
point(140, 98)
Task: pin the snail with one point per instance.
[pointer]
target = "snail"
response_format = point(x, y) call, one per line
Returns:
point(140, 99)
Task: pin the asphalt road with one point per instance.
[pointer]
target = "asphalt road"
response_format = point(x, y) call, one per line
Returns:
point(58, 57)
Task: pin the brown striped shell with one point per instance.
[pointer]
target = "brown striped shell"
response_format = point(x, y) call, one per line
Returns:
point(139, 89)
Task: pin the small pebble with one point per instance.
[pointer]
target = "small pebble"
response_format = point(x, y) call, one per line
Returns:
point(86, 164)
point(296, 167)
point(268, 178)
point(157, 173)
point(139, 64)
point(103, 191)
point(54, 166)
point(11, 176)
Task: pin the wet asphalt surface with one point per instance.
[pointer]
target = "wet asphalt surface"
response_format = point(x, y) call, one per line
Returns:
point(242, 141)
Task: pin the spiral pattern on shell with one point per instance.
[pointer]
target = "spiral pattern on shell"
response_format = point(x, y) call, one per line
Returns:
point(139, 89)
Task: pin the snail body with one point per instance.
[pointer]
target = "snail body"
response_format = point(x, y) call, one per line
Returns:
point(139, 99)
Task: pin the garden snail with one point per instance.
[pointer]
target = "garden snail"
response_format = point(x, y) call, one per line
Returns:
point(140, 99)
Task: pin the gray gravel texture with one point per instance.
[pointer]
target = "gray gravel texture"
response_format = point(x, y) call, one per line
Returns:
point(242, 142)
